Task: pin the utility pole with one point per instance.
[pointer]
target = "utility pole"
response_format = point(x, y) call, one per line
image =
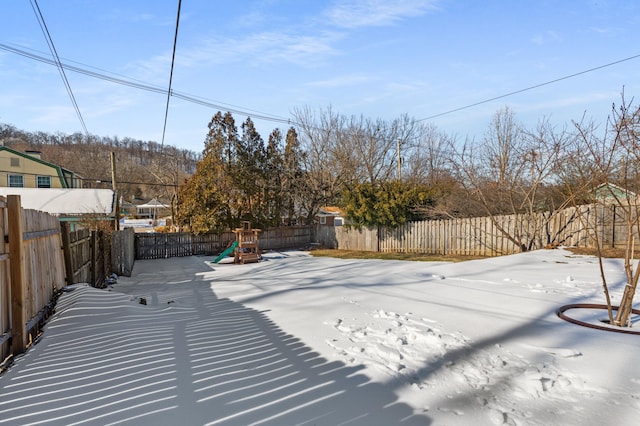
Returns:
point(399, 163)
point(115, 193)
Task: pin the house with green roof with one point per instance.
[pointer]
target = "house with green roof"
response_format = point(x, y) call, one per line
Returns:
point(29, 170)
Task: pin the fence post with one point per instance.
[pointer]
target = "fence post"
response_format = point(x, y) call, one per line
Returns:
point(16, 263)
point(66, 249)
point(93, 256)
point(613, 229)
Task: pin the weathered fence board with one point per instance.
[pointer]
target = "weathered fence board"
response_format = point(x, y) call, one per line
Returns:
point(100, 257)
point(87, 255)
point(285, 237)
point(44, 261)
point(5, 301)
point(123, 252)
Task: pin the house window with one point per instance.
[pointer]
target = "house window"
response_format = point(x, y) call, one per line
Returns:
point(323, 220)
point(16, 181)
point(43, 182)
point(15, 162)
point(337, 221)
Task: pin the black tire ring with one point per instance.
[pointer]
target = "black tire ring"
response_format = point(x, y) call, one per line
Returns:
point(561, 314)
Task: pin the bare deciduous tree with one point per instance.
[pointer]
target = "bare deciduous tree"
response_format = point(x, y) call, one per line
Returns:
point(610, 165)
point(426, 156)
point(323, 168)
point(510, 172)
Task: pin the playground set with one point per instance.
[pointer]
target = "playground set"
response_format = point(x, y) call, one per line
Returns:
point(245, 248)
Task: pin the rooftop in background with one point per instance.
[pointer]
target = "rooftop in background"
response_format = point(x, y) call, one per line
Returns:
point(330, 210)
point(65, 201)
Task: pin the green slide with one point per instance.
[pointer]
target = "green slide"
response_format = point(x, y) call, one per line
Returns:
point(226, 252)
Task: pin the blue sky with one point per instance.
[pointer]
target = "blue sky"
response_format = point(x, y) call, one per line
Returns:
point(374, 58)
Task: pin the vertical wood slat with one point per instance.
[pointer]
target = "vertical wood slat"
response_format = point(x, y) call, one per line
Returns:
point(5, 283)
point(16, 262)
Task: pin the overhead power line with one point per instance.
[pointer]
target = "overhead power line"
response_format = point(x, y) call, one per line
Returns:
point(246, 112)
point(173, 60)
point(529, 88)
point(54, 53)
point(261, 115)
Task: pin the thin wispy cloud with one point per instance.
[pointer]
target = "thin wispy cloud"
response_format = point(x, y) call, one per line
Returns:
point(546, 37)
point(309, 45)
point(560, 103)
point(364, 13)
point(142, 17)
point(138, 15)
point(113, 104)
point(259, 48)
point(55, 114)
point(251, 19)
point(344, 80)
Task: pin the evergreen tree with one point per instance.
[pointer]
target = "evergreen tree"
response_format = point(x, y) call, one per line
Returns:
point(274, 172)
point(200, 201)
point(249, 174)
point(387, 204)
point(237, 179)
point(209, 200)
point(293, 183)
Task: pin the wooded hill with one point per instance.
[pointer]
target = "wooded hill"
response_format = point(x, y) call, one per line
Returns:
point(144, 169)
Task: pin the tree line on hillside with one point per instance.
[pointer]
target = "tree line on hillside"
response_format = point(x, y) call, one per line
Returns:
point(145, 169)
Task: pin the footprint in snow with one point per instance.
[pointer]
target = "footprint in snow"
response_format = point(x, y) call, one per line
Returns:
point(563, 352)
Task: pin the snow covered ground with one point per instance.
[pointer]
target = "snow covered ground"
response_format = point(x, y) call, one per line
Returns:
point(321, 341)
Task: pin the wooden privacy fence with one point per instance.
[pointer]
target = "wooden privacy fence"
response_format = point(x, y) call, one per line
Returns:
point(177, 244)
point(87, 255)
point(5, 284)
point(286, 237)
point(123, 252)
point(31, 272)
point(486, 236)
